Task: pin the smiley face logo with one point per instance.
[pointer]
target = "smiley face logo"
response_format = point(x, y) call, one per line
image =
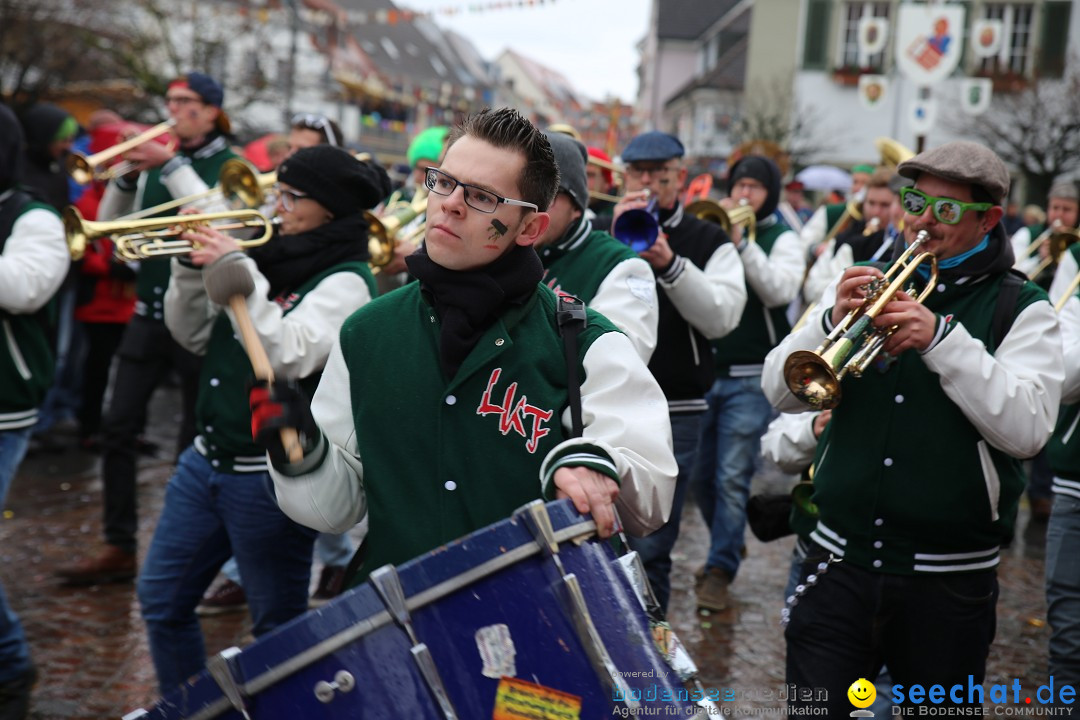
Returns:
point(862, 693)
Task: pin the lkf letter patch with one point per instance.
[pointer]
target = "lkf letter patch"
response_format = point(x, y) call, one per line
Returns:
point(514, 414)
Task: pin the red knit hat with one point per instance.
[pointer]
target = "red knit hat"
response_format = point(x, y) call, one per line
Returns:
point(599, 154)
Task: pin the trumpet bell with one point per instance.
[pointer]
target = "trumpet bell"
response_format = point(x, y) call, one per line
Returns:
point(240, 179)
point(812, 379)
point(77, 239)
point(637, 228)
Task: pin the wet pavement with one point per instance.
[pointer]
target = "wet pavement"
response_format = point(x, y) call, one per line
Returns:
point(90, 646)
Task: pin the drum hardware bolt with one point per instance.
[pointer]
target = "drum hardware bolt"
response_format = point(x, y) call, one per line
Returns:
point(343, 681)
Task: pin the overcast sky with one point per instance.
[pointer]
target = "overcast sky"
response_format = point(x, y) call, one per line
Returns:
point(591, 42)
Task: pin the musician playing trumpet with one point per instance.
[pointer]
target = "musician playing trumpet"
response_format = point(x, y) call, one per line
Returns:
point(147, 352)
point(918, 475)
point(1062, 213)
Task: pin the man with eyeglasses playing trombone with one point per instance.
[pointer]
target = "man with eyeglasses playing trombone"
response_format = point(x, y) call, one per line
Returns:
point(917, 476)
point(147, 352)
point(478, 419)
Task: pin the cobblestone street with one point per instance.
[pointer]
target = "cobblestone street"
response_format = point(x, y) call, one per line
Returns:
point(90, 646)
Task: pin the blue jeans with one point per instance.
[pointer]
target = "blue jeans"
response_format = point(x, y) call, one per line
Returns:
point(655, 549)
point(731, 433)
point(1063, 590)
point(14, 652)
point(332, 551)
point(208, 516)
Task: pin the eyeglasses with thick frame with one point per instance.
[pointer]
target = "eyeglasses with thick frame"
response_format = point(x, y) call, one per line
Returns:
point(288, 198)
point(636, 171)
point(946, 210)
point(477, 198)
point(318, 123)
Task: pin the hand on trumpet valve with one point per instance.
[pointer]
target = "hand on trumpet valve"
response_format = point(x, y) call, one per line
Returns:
point(855, 285)
point(913, 324)
point(208, 244)
point(636, 200)
point(149, 155)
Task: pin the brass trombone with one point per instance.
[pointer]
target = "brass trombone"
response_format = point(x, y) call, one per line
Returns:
point(713, 211)
point(149, 238)
point(814, 376)
point(84, 169)
point(1058, 242)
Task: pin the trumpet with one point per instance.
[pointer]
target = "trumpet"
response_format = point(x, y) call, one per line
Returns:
point(814, 377)
point(741, 215)
point(150, 238)
point(84, 169)
point(384, 230)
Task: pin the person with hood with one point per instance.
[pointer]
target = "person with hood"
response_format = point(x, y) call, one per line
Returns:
point(738, 413)
point(307, 280)
point(918, 475)
point(701, 294)
point(591, 265)
point(50, 133)
point(33, 263)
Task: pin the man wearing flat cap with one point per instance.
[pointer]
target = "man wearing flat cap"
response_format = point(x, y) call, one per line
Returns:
point(918, 474)
point(702, 294)
point(147, 353)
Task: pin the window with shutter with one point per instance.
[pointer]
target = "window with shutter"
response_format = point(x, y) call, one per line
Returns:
point(816, 43)
point(1055, 38)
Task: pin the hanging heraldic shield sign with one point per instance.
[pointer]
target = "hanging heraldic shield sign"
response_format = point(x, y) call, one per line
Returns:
point(928, 41)
point(975, 95)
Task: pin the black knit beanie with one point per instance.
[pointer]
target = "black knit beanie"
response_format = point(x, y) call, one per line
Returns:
point(765, 171)
point(335, 179)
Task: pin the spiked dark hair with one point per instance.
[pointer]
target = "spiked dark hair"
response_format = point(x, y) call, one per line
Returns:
point(508, 129)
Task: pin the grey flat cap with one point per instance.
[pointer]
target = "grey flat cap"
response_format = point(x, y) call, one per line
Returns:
point(1066, 190)
point(963, 162)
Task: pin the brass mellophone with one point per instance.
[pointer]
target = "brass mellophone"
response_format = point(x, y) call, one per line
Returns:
point(814, 376)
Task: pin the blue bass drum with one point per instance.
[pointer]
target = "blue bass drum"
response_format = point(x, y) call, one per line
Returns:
point(531, 617)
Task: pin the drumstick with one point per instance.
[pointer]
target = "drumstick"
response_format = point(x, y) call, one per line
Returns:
point(240, 278)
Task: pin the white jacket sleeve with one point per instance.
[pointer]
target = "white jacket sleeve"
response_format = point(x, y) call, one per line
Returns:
point(1012, 396)
point(831, 262)
point(789, 441)
point(189, 314)
point(625, 415)
point(1020, 242)
point(325, 491)
point(815, 230)
point(298, 344)
point(627, 297)
point(1069, 320)
point(775, 277)
point(712, 300)
point(34, 262)
point(808, 337)
point(1063, 276)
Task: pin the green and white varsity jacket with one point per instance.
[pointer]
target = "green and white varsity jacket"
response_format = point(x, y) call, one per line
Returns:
point(918, 470)
point(607, 276)
point(32, 267)
point(296, 330)
point(1064, 448)
point(428, 459)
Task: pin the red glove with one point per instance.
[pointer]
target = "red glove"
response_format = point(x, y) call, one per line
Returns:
point(281, 405)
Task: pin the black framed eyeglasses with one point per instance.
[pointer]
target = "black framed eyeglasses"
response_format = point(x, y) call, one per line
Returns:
point(946, 210)
point(318, 123)
point(485, 201)
point(288, 198)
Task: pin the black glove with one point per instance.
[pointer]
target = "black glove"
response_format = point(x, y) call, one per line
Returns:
point(277, 406)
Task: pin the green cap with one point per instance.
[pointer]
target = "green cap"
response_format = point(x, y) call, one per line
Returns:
point(427, 145)
point(67, 130)
point(868, 169)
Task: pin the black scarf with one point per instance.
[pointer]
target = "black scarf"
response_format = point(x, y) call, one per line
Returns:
point(469, 301)
point(288, 261)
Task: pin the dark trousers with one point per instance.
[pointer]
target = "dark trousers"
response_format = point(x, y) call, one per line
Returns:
point(102, 339)
point(928, 629)
point(147, 354)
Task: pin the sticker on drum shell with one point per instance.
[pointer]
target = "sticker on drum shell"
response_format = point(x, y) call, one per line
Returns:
point(522, 700)
point(497, 651)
